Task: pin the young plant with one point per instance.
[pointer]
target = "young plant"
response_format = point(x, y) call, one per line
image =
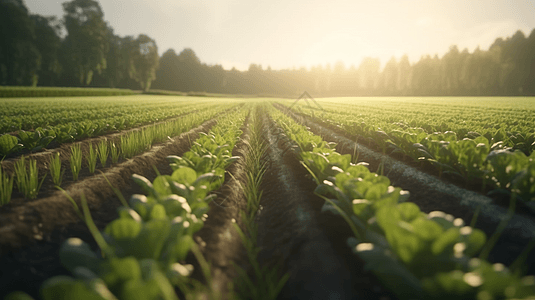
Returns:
point(76, 161)
point(28, 178)
point(103, 152)
point(55, 169)
point(6, 187)
point(92, 159)
point(114, 151)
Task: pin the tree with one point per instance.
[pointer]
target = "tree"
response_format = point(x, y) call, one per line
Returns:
point(87, 40)
point(145, 61)
point(48, 43)
point(19, 58)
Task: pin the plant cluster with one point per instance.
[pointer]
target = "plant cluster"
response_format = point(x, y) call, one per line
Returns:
point(495, 148)
point(141, 251)
point(32, 125)
point(416, 255)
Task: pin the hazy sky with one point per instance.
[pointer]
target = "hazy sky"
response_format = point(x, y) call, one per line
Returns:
point(295, 33)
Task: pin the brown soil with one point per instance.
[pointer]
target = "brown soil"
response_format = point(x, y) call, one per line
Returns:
point(298, 239)
point(219, 241)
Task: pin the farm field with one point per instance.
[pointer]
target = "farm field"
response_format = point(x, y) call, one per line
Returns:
point(164, 197)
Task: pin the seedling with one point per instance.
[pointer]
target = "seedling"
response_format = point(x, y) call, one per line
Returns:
point(55, 169)
point(27, 178)
point(6, 187)
point(76, 161)
point(114, 151)
point(103, 152)
point(92, 159)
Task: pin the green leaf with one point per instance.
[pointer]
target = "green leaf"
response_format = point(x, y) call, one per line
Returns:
point(7, 143)
point(445, 241)
point(75, 253)
point(184, 175)
point(161, 185)
point(123, 229)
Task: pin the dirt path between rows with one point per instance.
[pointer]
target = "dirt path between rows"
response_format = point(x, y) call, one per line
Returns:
point(219, 241)
point(431, 193)
point(295, 235)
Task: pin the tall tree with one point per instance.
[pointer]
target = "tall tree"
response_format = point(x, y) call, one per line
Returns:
point(87, 40)
point(19, 58)
point(48, 42)
point(145, 61)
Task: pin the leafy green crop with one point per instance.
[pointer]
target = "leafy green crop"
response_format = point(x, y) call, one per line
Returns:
point(143, 247)
point(416, 255)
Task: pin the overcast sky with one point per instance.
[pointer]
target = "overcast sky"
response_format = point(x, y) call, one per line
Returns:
point(296, 33)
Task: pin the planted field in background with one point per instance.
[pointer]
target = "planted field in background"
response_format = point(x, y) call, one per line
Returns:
point(251, 199)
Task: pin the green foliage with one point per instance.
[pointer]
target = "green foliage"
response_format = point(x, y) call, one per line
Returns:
point(8, 144)
point(103, 152)
point(27, 178)
point(92, 159)
point(492, 149)
point(6, 187)
point(142, 248)
point(76, 160)
point(414, 254)
point(55, 169)
point(114, 151)
point(20, 92)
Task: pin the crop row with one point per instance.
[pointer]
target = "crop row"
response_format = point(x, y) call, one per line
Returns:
point(461, 115)
point(125, 147)
point(414, 254)
point(141, 251)
point(503, 161)
point(68, 131)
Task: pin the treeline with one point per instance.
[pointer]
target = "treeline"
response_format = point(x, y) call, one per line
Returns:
point(33, 52)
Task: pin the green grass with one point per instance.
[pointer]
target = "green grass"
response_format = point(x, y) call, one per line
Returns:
point(265, 282)
point(24, 91)
point(92, 159)
point(6, 187)
point(114, 151)
point(76, 161)
point(28, 178)
point(55, 169)
point(103, 152)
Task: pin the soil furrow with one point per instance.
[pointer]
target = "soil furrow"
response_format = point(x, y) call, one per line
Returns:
point(291, 231)
point(431, 193)
point(220, 244)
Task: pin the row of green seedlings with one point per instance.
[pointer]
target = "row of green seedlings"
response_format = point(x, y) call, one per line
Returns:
point(474, 157)
point(265, 281)
point(129, 145)
point(141, 251)
point(414, 254)
point(40, 138)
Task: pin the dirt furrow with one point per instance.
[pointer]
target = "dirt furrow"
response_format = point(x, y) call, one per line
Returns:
point(220, 243)
point(292, 232)
point(431, 193)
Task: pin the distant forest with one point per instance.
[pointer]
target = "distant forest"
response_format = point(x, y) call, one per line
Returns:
point(81, 49)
